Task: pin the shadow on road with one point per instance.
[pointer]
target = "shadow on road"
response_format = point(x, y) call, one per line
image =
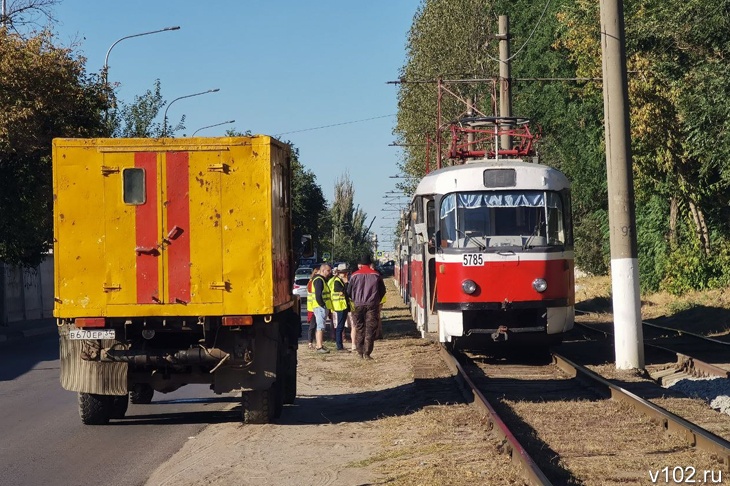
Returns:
point(312, 409)
point(19, 357)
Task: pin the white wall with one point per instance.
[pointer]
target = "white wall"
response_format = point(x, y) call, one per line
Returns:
point(27, 293)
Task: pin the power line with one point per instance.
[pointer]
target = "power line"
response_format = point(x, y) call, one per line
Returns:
point(547, 4)
point(334, 125)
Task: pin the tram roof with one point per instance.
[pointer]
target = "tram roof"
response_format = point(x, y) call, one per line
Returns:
point(470, 177)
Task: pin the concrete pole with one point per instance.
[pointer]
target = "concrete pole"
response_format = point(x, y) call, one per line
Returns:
point(622, 221)
point(505, 78)
point(3, 14)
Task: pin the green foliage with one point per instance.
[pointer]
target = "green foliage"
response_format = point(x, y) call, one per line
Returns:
point(309, 207)
point(592, 249)
point(652, 237)
point(350, 236)
point(45, 92)
point(679, 91)
point(446, 40)
point(689, 268)
point(137, 119)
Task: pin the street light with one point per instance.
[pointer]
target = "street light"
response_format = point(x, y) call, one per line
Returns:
point(211, 126)
point(106, 58)
point(164, 126)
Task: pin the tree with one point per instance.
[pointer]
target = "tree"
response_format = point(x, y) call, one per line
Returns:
point(350, 237)
point(455, 39)
point(678, 89)
point(309, 206)
point(45, 92)
point(24, 13)
point(137, 119)
point(447, 39)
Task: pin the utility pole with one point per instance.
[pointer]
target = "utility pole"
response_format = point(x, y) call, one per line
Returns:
point(628, 334)
point(3, 15)
point(505, 77)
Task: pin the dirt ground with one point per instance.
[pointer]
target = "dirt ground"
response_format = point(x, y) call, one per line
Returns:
point(396, 420)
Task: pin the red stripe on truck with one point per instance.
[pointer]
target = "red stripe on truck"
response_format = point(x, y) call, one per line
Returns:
point(178, 226)
point(148, 272)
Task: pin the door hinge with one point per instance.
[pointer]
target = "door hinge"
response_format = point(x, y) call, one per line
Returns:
point(220, 286)
point(218, 168)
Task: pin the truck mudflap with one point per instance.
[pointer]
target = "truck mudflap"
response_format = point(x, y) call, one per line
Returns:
point(85, 376)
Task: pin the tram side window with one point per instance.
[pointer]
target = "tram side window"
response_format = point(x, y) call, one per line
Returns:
point(447, 215)
point(556, 226)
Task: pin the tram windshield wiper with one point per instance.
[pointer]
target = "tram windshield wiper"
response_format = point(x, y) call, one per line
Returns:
point(468, 238)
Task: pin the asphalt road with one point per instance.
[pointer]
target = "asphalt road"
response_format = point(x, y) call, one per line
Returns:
point(42, 440)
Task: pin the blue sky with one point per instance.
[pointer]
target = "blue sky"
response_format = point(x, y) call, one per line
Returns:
point(281, 66)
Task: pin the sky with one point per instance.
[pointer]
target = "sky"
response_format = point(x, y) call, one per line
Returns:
point(283, 67)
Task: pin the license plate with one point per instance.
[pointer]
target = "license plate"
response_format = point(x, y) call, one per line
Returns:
point(91, 334)
point(473, 260)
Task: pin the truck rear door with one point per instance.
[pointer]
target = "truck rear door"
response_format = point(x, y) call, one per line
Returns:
point(163, 237)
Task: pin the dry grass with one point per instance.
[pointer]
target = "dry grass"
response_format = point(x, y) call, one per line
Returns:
point(441, 445)
point(433, 443)
point(706, 313)
point(605, 442)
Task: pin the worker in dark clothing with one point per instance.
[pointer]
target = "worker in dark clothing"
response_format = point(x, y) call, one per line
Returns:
point(366, 289)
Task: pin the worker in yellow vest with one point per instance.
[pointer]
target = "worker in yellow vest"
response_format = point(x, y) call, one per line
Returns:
point(310, 307)
point(340, 302)
point(322, 303)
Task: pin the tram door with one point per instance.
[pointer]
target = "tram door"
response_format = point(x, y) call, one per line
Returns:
point(426, 220)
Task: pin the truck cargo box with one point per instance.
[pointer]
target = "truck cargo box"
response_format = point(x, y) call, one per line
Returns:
point(170, 227)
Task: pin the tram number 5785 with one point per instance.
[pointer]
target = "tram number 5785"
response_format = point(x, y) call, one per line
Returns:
point(473, 259)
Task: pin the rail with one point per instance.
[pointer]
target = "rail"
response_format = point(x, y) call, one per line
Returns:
point(687, 362)
point(695, 435)
point(517, 452)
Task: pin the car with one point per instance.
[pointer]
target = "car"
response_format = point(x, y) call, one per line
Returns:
point(307, 271)
point(387, 269)
point(300, 286)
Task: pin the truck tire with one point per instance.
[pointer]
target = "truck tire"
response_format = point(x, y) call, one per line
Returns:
point(290, 378)
point(277, 390)
point(141, 394)
point(258, 406)
point(95, 409)
point(119, 406)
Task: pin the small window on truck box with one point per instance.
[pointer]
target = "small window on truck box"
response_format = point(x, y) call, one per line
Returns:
point(134, 189)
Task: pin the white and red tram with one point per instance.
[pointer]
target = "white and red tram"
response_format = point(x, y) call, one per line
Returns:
point(487, 254)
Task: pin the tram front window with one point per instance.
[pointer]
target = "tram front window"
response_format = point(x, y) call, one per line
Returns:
point(502, 218)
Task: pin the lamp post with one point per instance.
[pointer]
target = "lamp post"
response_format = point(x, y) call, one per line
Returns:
point(106, 58)
point(164, 123)
point(211, 126)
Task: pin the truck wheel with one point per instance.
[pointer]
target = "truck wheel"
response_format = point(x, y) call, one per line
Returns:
point(95, 409)
point(141, 394)
point(258, 406)
point(119, 406)
point(290, 378)
point(277, 391)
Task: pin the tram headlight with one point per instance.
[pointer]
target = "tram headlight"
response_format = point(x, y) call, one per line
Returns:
point(469, 286)
point(539, 284)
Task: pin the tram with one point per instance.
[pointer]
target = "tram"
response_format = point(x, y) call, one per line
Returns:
point(486, 253)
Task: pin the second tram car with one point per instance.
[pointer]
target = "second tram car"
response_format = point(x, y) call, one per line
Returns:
point(486, 255)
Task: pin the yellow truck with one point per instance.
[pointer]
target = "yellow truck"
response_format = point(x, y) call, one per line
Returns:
point(173, 265)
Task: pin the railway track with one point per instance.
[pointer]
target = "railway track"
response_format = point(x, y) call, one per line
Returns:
point(695, 355)
point(564, 424)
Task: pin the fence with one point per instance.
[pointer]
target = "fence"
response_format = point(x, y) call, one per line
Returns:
point(26, 293)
